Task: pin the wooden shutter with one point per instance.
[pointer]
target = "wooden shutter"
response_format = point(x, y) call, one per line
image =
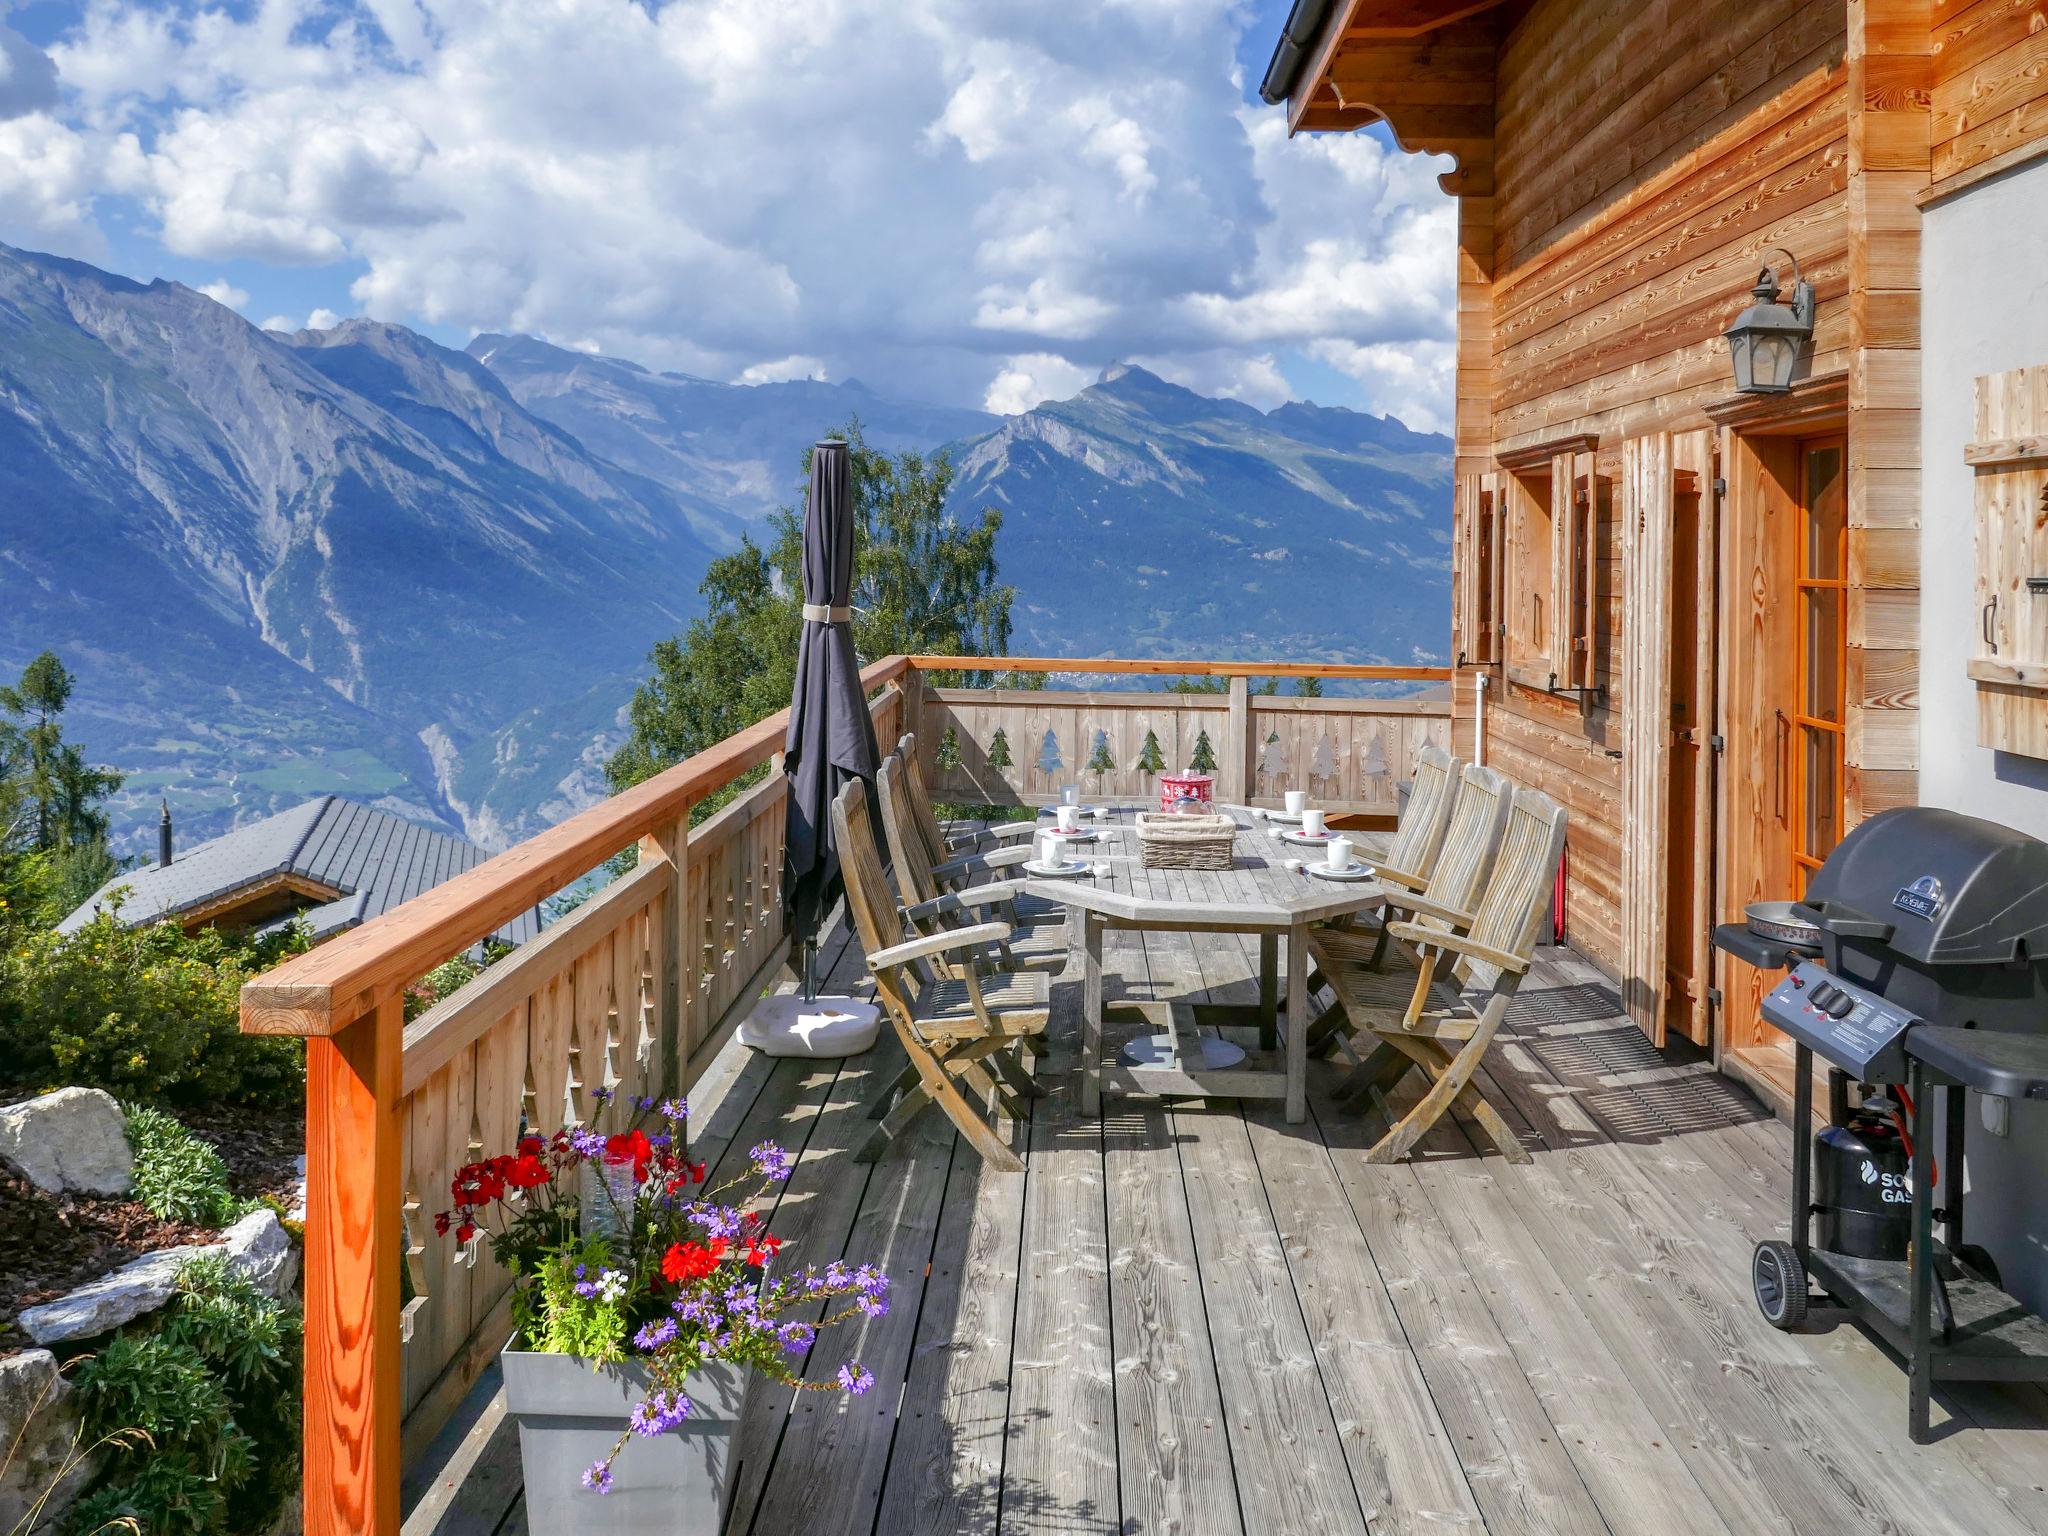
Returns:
point(1647, 491)
point(1479, 550)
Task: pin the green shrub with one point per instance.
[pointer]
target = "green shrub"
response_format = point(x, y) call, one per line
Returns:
point(215, 1389)
point(178, 1177)
point(147, 1013)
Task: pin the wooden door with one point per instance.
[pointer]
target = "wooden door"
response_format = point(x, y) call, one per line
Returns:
point(1668, 640)
point(1689, 864)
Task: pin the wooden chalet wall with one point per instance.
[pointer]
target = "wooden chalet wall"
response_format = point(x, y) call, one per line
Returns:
point(1990, 89)
point(1647, 158)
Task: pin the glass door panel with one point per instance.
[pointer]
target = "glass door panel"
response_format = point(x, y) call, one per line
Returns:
point(1820, 665)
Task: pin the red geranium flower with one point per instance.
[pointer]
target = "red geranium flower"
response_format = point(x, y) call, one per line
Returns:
point(761, 1249)
point(685, 1262)
point(527, 1172)
point(531, 1146)
point(630, 1147)
point(441, 1223)
point(465, 1232)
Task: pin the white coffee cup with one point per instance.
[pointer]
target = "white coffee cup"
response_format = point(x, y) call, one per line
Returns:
point(1052, 852)
point(1297, 801)
point(1340, 853)
point(1068, 818)
point(1312, 823)
point(1071, 795)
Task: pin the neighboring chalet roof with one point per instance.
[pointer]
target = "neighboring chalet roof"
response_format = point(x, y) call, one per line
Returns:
point(336, 861)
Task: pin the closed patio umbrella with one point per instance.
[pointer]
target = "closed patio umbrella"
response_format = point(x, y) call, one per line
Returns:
point(831, 741)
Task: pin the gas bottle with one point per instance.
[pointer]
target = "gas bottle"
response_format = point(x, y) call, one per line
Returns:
point(1863, 1191)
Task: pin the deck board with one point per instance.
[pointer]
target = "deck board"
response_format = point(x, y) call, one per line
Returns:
point(1206, 1322)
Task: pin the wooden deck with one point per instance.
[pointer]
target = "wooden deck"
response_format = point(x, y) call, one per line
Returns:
point(1205, 1321)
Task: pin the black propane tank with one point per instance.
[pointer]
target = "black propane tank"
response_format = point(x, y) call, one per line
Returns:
point(1863, 1193)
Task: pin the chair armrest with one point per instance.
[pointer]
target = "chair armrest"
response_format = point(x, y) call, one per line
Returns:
point(954, 903)
point(1004, 831)
point(979, 863)
point(939, 944)
point(1459, 944)
point(1422, 906)
point(1399, 877)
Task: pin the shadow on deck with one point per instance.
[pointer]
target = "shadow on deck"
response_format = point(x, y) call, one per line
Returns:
point(1205, 1321)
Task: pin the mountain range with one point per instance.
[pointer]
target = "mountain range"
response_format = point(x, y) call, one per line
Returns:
point(357, 560)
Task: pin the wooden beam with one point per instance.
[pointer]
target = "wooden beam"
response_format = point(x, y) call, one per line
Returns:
point(1168, 666)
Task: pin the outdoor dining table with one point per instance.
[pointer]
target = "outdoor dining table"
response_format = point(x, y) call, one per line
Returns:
point(1258, 895)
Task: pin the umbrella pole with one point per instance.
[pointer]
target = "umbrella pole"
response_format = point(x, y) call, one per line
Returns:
point(810, 970)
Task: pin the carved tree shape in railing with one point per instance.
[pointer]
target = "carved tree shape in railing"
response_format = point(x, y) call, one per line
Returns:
point(1100, 762)
point(1150, 758)
point(999, 750)
point(1322, 763)
point(1203, 759)
point(1375, 759)
point(1049, 754)
point(947, 757)
point(1273, 757)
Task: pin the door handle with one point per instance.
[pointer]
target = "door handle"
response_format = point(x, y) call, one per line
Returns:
point(1990, 614)
point(1784, 755)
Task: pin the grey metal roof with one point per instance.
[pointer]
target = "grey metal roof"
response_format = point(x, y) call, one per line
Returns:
point(375, 860)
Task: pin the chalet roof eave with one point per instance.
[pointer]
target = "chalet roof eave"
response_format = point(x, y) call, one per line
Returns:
point(1298, 35)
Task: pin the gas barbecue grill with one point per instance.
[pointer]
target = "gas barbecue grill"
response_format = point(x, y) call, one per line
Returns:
point(1927, 970)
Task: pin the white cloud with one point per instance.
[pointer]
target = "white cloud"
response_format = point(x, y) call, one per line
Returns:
point(277, 323)
point(221, 291)
point(947, 198)
point(1412, 380)
point(783, 369)
point(28, 76)
point(1030, 379)
point(322, 320)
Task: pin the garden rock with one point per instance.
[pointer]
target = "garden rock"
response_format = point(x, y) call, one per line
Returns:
point(73, 1139)
point(39, 1422)
point(257, 1244)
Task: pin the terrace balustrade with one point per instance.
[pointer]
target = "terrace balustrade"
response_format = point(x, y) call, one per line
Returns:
point(640, 987)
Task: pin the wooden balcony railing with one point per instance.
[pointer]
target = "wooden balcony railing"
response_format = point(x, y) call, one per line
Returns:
point(639, 988)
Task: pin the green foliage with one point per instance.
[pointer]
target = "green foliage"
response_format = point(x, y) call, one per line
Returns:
point(1204, 758)
point(924, 582)
point(592, 1327)
point(1196, 685)
point(148, 1013)
point(178, 1177)
point(53, 829)
point(1099, 761)
point(215, 1391)
point(1150, 758)
point(1308, 687)
point(458, 971)
point(947, 754)
point(999, 750)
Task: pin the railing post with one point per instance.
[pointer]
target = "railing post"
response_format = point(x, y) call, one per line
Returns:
point(671, 846)
point(913, 684)
point(354, 1237)
point(1233, 776)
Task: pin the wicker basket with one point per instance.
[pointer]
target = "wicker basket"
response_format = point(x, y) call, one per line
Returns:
point(1185, 842)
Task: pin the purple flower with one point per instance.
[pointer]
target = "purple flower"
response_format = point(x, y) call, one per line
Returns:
point(586, 1142)
point(597, 1477)
point(643, 1101)
point(603, 1095)
point(660, 1139)
point(795, 1338)
point(674, 1109)
point(657, 1333)
point(661, 1411)
point(718, 1220)
point(855, 1378)
point(838, 1276)
point(771, 1161)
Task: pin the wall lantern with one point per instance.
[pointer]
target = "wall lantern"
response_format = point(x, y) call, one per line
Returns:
point(1766, 338)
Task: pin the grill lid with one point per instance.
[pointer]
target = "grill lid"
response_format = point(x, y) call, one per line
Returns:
point(1951, 889)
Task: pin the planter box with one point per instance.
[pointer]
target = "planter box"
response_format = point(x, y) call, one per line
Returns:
point(569, 1416)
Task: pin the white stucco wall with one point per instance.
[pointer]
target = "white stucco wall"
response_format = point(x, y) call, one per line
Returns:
point(1984, 308)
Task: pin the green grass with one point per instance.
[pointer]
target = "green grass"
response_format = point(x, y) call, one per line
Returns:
point(178, 1177)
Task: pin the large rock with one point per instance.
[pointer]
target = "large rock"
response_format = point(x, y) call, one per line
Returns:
point(39, 1424)
point(257, 1244)
point(72, 1139)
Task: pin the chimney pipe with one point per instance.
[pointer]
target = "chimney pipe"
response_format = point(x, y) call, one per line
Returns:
point(163, 837)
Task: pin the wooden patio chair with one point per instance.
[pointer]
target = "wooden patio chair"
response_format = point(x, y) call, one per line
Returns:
point(1353, 961)
point(957, 1029)
point(930, 907)
point(961, 860)
point(1468, 969)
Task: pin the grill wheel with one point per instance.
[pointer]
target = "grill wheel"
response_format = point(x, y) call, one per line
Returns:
point(1780, 1283)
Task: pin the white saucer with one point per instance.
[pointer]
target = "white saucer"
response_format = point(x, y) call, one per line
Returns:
point(1078, 835)
point(1308, 839)
point(1096, 811)
point(1291, 818)
point(1047, 872)
point(1356, 872)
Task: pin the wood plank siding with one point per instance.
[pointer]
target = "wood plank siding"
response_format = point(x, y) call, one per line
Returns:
point(1624, 168)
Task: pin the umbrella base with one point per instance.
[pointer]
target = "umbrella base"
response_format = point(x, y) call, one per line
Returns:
point(786, 1025)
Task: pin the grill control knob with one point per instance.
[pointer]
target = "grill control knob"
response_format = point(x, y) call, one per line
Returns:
point(1841, 1005)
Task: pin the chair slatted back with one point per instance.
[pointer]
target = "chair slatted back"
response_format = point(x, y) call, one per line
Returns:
point(1471, 840)
point(918, 800)
point(1511, 913)
point(908, 851)
point(1420, 836)
point(868, 898)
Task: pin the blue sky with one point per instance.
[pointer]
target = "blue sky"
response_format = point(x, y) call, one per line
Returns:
point(949, 199)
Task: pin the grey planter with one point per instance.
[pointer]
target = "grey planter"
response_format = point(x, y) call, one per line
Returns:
point(569, 1416)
